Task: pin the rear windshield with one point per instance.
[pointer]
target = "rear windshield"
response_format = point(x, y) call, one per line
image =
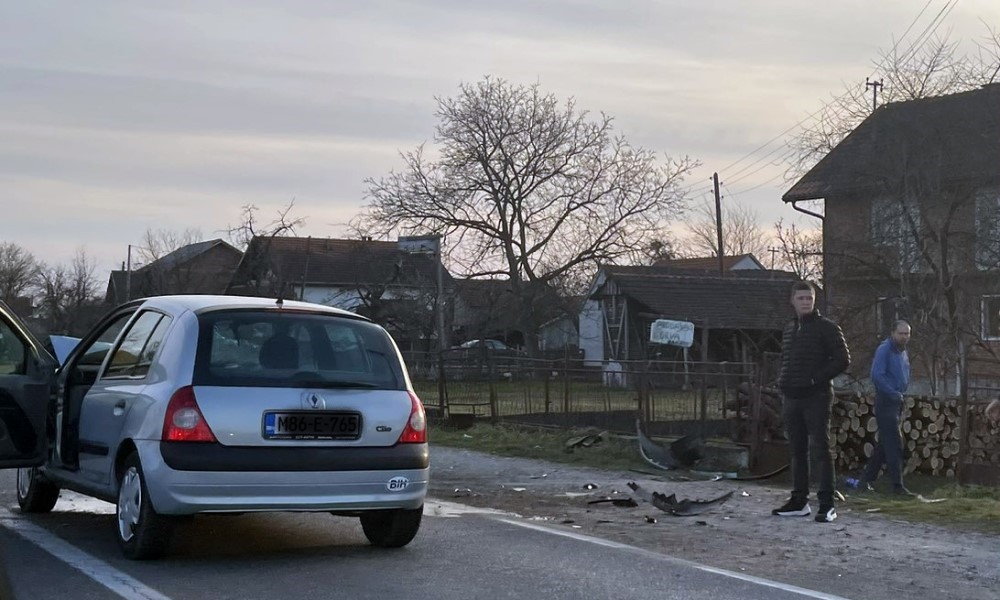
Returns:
point(294, 349)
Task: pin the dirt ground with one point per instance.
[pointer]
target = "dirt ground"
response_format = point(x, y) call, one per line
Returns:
point(860, 556)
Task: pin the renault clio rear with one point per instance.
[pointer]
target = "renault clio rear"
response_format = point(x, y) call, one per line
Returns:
point(230, 404)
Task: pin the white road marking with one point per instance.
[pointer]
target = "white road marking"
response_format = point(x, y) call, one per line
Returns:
point(124, 585)
point(679, 561)
point(443, 508)
point(71, 502)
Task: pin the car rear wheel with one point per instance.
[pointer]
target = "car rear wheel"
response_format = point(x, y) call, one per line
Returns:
point(391, 528)
point(142, 533)
point(35, 494)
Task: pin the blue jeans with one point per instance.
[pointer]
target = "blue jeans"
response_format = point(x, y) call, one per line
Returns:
point(889, 447)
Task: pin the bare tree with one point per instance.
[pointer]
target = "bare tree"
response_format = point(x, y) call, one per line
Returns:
point(741, 232)
point(657, 250)
point(801, 250)
point(18, 271)
point(250, 225)
point(160, 242)
point(528, 188)
point(260, 273)
point(69, 295)
point(934, 68)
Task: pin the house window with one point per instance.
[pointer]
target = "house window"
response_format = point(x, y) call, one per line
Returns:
point(988, 229)
point(894, 224)
point(890, 310)
point(991, 317)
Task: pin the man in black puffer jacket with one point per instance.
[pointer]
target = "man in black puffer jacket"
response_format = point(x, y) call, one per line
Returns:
point(813, 352)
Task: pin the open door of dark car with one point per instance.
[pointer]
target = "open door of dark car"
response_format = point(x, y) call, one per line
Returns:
point(26, 376)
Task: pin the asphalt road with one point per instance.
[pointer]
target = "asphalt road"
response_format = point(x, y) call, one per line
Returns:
point(460, 553)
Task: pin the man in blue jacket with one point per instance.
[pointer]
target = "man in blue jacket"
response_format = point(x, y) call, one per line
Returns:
point(890, 375)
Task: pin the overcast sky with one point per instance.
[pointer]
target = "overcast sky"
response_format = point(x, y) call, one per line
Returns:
point(120, 116)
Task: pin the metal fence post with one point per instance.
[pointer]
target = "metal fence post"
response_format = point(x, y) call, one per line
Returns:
point(548, 398)
point(566, 386)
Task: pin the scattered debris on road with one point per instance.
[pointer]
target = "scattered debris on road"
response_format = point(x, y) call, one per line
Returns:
point(585, 441)
point(684, 507)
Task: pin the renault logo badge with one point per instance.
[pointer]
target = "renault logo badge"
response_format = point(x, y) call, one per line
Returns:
point(314, 401)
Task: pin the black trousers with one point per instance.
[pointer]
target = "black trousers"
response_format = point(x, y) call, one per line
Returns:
point(807, 425)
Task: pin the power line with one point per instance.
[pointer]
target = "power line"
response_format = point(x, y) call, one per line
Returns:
point(948, 7)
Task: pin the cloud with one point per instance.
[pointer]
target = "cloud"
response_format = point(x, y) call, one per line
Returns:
point(119, 116)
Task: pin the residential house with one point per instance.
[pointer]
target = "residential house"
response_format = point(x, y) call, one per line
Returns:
point(912, 230)
point(199, 268)
point(394, 283)
point(737, 317)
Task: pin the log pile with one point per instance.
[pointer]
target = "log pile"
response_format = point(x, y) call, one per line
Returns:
point(741, 407)
point(930, 428)
point(984, 437)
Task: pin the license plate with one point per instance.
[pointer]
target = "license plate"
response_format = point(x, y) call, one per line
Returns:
point(312, 425)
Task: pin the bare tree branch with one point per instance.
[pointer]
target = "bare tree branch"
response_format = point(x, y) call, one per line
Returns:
point(937, 67)
point(18, 271)
point(741, 232)
point(527, 186)
point(801, 250)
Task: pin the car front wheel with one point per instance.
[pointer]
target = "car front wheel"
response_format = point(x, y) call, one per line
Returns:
point(35, 494)
point(142, 533)
point(391, 528)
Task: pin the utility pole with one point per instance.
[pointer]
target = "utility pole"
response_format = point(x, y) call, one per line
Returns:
point(128, 276)
point(875, 86)
point(718, 224)
point(773, 251)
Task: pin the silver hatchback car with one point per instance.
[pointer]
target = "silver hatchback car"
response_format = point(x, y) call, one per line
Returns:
point(182, 405)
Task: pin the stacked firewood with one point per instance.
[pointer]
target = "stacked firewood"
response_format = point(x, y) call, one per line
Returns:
point(930, 430)
point(769, 412)
point(984, 437)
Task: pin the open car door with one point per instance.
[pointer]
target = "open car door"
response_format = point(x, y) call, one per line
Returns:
point(26, 376)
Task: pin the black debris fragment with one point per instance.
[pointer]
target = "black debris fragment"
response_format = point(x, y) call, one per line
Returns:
point(585, 441)
point(679, 508)
point(623, 502)
point(684, 452)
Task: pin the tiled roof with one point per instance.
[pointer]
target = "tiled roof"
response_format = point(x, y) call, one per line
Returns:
point(338, 262)
point(184, 254)
point(731, 302)
point(706, 263)
point(140, 279)
point(958, 135)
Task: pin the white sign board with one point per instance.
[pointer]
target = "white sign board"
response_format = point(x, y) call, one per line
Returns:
point(675, 333)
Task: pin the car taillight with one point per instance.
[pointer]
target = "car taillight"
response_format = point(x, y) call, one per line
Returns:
point(184, 421)
point(415, 431)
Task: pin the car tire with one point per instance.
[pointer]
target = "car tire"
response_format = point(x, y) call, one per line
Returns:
point(142, 533)
point(391, 528)
point(35, 494)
